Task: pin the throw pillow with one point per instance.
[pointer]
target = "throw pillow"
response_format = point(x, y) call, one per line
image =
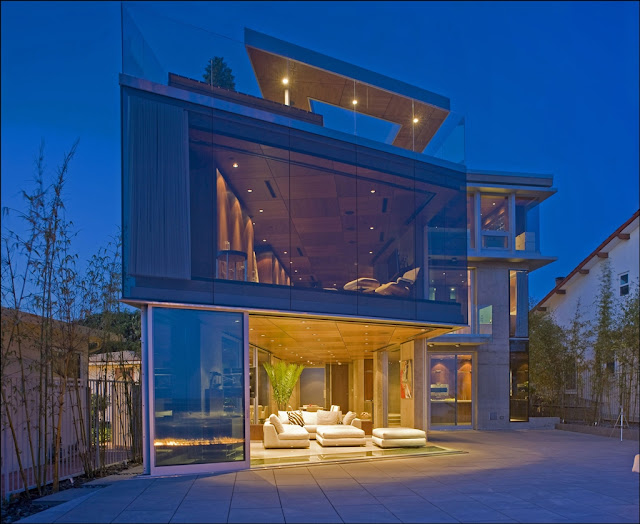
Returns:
point(277, 423)
point(295, 417)
point(349, 418)
point(327, 418)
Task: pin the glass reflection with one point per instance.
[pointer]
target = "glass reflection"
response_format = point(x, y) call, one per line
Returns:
point(198, 386)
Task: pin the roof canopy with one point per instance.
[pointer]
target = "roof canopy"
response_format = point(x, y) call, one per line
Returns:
point(313, 76)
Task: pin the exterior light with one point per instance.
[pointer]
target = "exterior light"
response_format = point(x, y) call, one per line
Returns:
point(354, 102)
point(415, 120)
point(285, 80)
point(285, 252)
point(235, 164)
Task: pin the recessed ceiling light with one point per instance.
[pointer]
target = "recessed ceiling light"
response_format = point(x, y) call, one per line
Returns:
point(261, 210)
point(371, 252)
point(285, 252)
point(249, 190)
point(235, 164)
point(373, 191)
point(264, 239)
point(370, 227)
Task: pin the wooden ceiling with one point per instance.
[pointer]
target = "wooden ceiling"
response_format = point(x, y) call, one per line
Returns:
point(326, 226)
point(308, 83)
point(312, 340)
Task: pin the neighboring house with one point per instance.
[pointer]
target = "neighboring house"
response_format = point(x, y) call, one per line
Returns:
point(116, 365)
point(340, 229)
point(582, 286)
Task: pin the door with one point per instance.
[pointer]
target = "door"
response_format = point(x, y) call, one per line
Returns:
point(451, 390)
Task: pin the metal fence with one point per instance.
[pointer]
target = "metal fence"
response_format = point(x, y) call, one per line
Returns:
point(100, 425)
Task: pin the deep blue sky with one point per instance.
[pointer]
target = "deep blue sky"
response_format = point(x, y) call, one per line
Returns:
point(545, 87)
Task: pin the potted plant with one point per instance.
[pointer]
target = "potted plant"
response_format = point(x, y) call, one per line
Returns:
point(283, 377)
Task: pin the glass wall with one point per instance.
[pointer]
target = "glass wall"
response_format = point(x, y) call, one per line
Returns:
point(259, 389)
point(289, 85)
point(527, 224)
point(198, 387)
point(494, 220)
point(451, 385)
point(471, 220)
point(519, 381)
point(227, 210)
point(518, 304)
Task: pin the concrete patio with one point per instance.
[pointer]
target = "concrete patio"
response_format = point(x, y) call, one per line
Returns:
point(510, 476)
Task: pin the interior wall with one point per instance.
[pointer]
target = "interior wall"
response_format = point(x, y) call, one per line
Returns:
point(312, 386)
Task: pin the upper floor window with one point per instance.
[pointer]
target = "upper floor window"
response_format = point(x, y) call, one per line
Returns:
point(494, 219)
point(624, 284)
point(471, 220)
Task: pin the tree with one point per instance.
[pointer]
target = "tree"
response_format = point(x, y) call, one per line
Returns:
point(548, 361)
point(627, 350)
point(605, 339)
point(218, 74)
point(283, 378)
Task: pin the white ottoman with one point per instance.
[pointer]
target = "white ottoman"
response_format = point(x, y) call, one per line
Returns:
point(399, 437)
point(340, 435)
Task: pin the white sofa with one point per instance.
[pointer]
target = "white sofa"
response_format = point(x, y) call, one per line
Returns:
point(311, 421)
point(292, 437)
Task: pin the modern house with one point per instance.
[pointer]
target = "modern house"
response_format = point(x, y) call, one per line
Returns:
point(582, 286)
point(328, 219)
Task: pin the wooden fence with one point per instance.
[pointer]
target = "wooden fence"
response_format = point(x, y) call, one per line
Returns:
point(101, 425)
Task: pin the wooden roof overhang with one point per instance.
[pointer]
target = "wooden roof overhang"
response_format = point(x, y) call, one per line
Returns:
point(312, 76)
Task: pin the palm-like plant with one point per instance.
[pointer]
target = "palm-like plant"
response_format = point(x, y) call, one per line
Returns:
point(283, 378)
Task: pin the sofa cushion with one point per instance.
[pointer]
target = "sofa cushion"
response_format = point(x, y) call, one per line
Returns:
point(310, 418)
point(293, 432)
point(349, 417)
point(398, 433)
point(325, 418)
point(339, 432)
point(295, 417)
point(277, 423)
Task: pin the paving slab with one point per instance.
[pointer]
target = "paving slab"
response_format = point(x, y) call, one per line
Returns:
point(505, 476)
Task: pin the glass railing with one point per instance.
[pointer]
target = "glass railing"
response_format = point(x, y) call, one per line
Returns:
point(205, 63)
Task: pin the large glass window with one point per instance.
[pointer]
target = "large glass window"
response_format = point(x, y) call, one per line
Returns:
point(527, 224)
point(254, 214)
point(518, 304)
point(198, 385)
point(471, 220)
point(451, 396)
point(494, 219)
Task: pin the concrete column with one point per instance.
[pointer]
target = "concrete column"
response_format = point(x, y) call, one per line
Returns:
point(380, 389)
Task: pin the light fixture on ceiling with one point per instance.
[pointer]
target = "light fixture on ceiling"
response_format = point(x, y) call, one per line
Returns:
point(249, 190)
point(370, 227)
point(261, 210)
point(285, 252)
point(235, 164)
point(373, 191)
point(371, 252)
point(264, 239)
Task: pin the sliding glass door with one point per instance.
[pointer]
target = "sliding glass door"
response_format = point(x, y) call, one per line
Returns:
point(451, 390)
point(199, 417)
